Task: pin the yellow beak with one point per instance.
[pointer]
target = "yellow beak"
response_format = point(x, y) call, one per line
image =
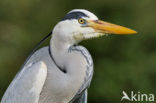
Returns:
point(108, 28)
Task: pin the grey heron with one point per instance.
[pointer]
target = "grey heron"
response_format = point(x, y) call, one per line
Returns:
point(62, 71)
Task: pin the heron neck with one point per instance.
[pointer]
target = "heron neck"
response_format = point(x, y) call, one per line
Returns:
point(59, 51)
point(72, 62)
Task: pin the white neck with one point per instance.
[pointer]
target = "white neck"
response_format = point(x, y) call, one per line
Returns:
point(73, 62)
point(59, 50)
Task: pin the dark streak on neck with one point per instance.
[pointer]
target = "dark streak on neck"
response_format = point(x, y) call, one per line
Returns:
point(63, 70)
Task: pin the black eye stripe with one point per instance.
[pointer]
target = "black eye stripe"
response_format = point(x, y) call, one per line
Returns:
point(74, 15)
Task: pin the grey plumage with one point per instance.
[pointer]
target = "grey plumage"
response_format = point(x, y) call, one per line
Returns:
point(44, 56)
point(89, 72)
point(82, 98)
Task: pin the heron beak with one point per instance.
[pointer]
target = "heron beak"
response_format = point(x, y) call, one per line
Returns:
point(108, 28)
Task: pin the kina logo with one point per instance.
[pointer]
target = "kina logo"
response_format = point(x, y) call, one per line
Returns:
point(138, 97)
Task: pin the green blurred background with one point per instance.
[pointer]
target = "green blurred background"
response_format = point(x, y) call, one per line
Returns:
point(120, 62)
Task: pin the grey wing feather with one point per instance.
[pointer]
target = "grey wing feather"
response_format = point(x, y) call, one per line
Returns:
point(27, 85)
point(81, 96)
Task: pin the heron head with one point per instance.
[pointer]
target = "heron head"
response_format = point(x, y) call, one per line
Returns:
point(81, 24)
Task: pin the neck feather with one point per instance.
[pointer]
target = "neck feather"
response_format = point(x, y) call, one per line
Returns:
point(76, 61)
point(73, 62)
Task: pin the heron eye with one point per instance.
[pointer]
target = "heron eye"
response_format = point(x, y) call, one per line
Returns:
point(81, 21)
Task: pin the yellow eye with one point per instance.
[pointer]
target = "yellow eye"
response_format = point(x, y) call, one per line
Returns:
point(81, 21)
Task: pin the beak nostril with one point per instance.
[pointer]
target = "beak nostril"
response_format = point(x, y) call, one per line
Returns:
point(98, 22)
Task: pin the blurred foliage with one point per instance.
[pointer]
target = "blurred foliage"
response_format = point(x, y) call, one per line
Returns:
point(121, 62)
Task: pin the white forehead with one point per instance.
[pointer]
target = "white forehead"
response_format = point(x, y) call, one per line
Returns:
point(88, 13)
